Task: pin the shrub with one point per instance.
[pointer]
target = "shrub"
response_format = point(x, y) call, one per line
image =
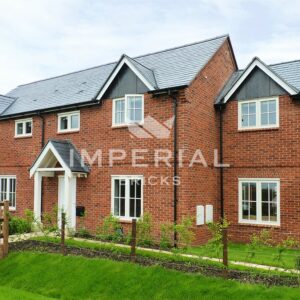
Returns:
point(50, 220)
point(185, 232)
point(19, 225)
point(166, 235)
point(288, 243)
point(82, 231)
point(111, 229)
point(215, 244)
point(256, 240)
point(144, 224)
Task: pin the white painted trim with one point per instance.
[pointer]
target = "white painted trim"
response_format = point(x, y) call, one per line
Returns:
point(258, 182)
point(126, 119)
point(42, 156)
point(8, 177)
point(68, 115)
point(257, 63)
point(126, 178)
point(258, 114)
point(50, 169)
point(23, 122)
point(115, 73)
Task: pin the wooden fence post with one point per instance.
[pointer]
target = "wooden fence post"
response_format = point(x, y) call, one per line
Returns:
point(133, 241)
point(4, 219)
point(5, 227)
point(225, 247)
point(63, 226)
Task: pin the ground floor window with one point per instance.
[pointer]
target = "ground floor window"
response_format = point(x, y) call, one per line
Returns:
point(127, 196)
point(259, 201)
point(8, 190)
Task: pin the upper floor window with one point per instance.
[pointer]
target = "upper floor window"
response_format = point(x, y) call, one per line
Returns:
point(258, 113)
point(8, 190)
point(23, 128)
point(259, 201)
point(68, 122)
point(128, 110)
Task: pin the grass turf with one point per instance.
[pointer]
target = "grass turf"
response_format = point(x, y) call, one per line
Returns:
point(70, 277)
point(263, 255)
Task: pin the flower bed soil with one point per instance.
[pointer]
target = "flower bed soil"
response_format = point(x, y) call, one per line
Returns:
point(208, 270)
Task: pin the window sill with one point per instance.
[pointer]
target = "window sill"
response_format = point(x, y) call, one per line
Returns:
point(258, 129)
point(259, 224)
point(68, 131)
point(126, 221)
point(128, 125)
point(22, 136)
point(12, 209)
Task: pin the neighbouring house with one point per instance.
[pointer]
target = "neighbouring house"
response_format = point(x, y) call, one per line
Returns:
point(146, 135)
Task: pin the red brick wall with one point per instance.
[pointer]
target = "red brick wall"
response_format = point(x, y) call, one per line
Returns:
point(271, 153)
point(201, 185)
point(197, 128)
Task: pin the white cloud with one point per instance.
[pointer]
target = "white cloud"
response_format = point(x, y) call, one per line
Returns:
point(45, 38)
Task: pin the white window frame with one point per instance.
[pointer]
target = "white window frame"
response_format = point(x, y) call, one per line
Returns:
point(68, 115)
point(7, 177)
point(23, 122)
point(126, 119)
point(258, 182)
point(258, 113)
point(127, 200)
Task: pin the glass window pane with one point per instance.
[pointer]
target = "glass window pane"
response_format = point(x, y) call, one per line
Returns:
point(132, 207)
point(252, 108)
point(264, 192)
point(245, 109)
point(252, 210)
point(131, 115)
point(252, 191)
point(19, 128)
point(264, 119)
point(272, 118)
point(138, 102)
point(272, 106)
point(75, 121)
point(245, 209)
point(122, 208)
point(3, 191)
point(63, 123)
point(252, 120)
point(245, 121)
point(273, 192)
point(273, 211)
point(264, 107)
point(28, 127)
point(116, 207)
point(138, 208)
point(245, 189)
point(265, 211)
point(138, 115)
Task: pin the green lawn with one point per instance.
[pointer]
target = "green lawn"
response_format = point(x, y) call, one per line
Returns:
point(30, 274)
point(264, 255)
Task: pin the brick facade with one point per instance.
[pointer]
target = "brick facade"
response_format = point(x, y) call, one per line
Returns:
point(268, 153)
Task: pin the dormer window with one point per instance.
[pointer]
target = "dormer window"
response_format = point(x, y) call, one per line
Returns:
point(128, 110)
point(69, 122)
point(258, 113)
point(23, 128)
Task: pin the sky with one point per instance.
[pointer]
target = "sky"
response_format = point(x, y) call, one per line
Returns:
point(45, 38)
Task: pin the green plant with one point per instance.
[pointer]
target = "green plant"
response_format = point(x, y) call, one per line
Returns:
point(288, 243)
point(144, 225)
point(111, 229)
point(82, 230)
point(185, 232)
point(166, 235)
point(19, 225)
point(297, 263)
point(49, 220)
point(256, 240)
point(215, 244)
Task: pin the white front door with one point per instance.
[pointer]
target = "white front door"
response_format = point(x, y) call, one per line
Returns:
point(63, 205)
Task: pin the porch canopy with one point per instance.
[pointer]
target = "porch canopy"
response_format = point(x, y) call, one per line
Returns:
point(58, 156)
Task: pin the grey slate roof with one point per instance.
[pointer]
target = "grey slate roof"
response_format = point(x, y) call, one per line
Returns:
point(66, 149)
point(5, 102)
point(288, 71)
point(169, 68)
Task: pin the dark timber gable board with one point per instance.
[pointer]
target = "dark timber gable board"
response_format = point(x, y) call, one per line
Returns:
point(126, 82)
point(258, 85)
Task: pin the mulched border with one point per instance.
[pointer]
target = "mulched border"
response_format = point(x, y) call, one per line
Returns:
point(208, 270)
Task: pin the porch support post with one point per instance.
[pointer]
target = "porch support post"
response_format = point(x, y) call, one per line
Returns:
point(37, 195)
point(67, 201)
